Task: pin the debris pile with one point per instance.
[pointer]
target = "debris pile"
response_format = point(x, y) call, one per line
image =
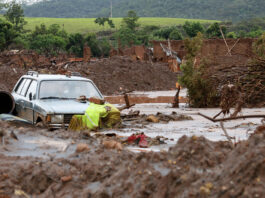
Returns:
point(250, 78)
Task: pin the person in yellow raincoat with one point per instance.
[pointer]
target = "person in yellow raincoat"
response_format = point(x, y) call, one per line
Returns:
point(96, 116)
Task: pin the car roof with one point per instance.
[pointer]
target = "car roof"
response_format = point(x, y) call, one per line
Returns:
point(41, 77)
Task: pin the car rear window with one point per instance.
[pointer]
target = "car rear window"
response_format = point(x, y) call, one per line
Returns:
point(25, 87)
point(32, 89)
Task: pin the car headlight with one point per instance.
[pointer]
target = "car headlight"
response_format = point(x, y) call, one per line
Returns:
point(57, 119)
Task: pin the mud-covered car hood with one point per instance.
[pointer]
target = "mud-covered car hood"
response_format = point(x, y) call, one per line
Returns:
point(56, 106)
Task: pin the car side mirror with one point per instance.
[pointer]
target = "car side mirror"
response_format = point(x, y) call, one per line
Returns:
point(30, 96)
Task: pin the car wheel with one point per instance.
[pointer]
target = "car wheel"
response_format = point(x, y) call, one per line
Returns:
point(40, 123)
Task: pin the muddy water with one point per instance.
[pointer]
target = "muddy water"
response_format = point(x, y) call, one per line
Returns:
point(199, 126)
point(50, 146)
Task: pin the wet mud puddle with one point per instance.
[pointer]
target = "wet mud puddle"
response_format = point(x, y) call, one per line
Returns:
point(38, 146)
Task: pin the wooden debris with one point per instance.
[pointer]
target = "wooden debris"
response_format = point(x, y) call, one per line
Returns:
point(231, 118)
point(127, 102)
point(21, 193)
point(226, 134)
point(176, 98)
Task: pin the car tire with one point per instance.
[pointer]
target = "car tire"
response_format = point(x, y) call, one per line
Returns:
point(40, 124)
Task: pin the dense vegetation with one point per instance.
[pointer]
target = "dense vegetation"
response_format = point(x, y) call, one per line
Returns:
point(55, 38)
point(233, 10)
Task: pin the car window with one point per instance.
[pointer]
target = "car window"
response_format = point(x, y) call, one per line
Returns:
point(32, 89)
point(20, 85)
point(25, 87)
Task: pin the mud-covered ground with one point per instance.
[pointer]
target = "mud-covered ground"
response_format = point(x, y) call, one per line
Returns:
point(194, 167)
point(40, 163)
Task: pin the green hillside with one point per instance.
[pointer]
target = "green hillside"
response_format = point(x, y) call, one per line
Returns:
point(84, 25)
point(233, 10)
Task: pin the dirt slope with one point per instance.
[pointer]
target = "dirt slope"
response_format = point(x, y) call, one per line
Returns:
point(117, 74)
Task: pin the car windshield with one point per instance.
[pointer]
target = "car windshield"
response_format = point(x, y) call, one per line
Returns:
point(69, 89)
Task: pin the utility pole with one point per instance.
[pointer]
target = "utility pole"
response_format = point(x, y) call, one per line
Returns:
point(110, 8)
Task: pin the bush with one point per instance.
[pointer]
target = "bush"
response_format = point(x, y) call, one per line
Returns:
point(75, 44)
point(242, 34)
point(92, 42)
point(255, 34)
point(7, 34)
point(175, 35)
point(193, 28)
point(214, 30)
point(165, 32)
point(200, 90)
point(104, 47)
point(126, 37)
point(231, 35)
point(150, 28)
point(48, 44)
point(21, 42)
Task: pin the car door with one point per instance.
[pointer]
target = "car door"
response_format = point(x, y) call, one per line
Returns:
point(22, 101)
point(29, 101)
point(18, 98)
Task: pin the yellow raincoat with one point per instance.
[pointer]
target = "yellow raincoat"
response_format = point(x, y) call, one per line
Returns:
point(96, 116)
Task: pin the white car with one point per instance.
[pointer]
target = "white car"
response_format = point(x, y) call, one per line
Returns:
point(52, 99)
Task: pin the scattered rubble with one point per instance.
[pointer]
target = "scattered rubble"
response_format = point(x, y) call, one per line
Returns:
point(82, 147)
point(111, 144)
point(133, 118)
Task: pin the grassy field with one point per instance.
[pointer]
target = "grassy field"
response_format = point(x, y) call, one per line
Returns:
point(85, 25)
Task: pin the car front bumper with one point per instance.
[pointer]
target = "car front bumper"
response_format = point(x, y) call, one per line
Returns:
point(58, 126)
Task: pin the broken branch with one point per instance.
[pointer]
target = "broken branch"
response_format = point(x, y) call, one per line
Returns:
point(231, 118)
point(176, 99)
point(225, 132)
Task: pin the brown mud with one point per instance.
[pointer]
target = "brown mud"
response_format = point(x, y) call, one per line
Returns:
point(111, 75)
point(194, 167)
